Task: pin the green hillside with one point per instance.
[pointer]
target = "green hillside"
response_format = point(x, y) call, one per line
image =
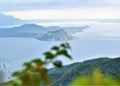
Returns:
point(63, 76)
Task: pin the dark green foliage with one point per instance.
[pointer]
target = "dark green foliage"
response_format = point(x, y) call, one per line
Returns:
point(58, 63)
point(55, 48)
point(49, 55)
point(63, 76)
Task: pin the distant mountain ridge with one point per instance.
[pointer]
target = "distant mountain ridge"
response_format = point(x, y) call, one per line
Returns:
point(76, 29)
point(63, 76)
point(7, 20)
point(26, 30)
point(40, 32)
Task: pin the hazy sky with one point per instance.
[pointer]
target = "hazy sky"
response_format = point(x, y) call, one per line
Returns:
point(61, 9)
point(101, 30)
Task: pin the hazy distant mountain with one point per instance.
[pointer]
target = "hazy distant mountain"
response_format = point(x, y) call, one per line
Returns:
point(6, 20)
point(63, 76)
point(70, 30)
point(76, 29)
point(26, 30)
point(42, 33)
point(56, 35)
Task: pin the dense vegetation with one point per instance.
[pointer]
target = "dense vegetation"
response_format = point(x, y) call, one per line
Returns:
point(108, 66)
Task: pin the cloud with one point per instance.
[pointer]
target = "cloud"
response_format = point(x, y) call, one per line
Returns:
point(8, 5)
point(76, 13)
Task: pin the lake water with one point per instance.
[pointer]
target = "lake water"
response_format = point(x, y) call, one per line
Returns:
point(15, 51)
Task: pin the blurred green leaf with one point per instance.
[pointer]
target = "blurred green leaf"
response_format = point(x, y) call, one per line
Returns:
point(65, 53)
point(17, 73)
point(55, 48)
point(17, 82)
point(49, 55)
point(58, 64)
point(27, 64)
point(38, 62)
point(65, 45)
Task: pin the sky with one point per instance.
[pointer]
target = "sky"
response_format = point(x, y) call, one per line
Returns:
point(61, 9)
